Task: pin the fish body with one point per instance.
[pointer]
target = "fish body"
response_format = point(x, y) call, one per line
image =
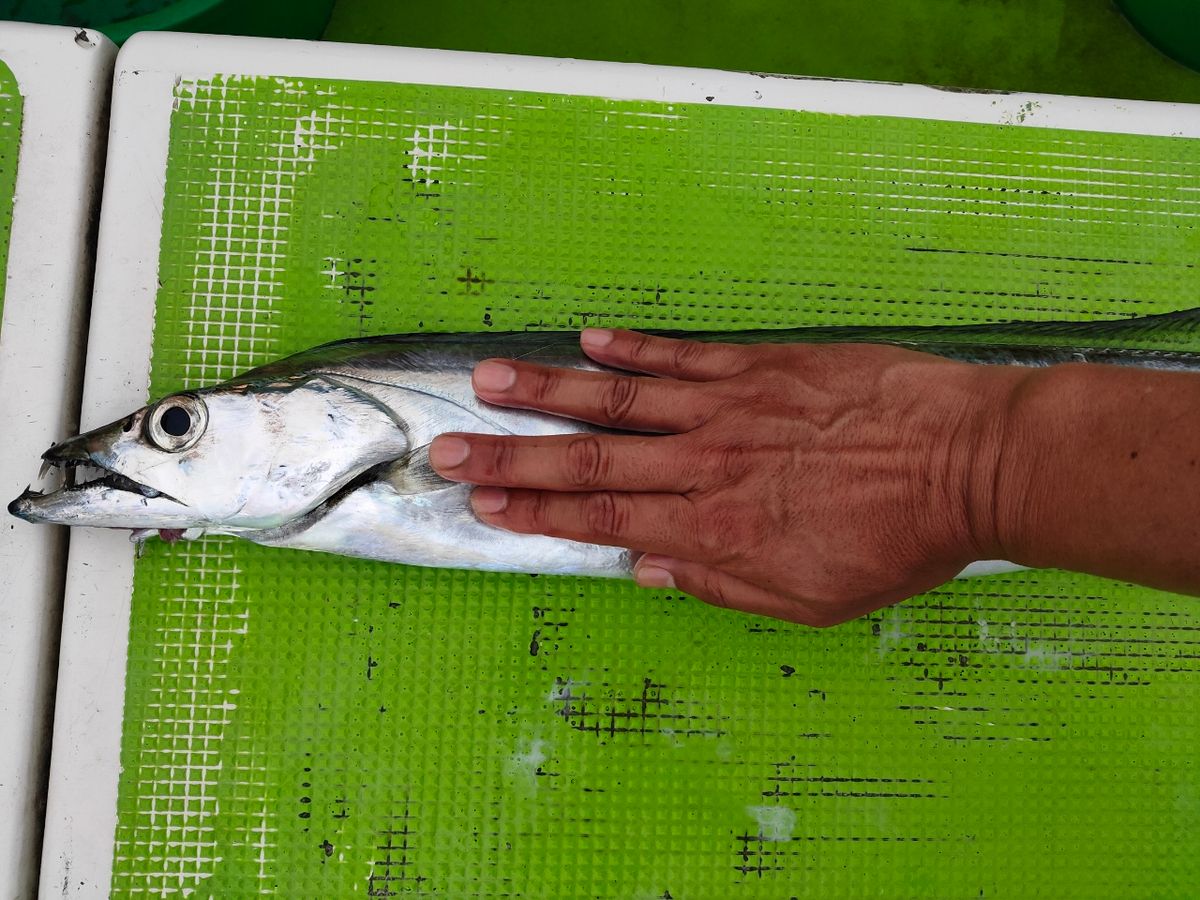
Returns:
point(327, 450)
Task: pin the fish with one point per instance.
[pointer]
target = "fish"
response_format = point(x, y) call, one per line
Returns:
point(328, 449)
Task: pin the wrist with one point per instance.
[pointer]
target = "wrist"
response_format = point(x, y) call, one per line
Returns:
point(976, 454)
point(991, 450)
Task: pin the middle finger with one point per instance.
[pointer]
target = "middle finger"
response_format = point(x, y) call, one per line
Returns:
point(568, 462)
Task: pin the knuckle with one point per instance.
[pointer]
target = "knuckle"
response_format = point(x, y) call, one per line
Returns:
point(714, 591)
point(541, 384)
point(686, 354)
point(502, 461)
point(731, 461)
point(723, 464)
point(605, 515)
point(535, 512)
point(641, 348)
point(722, 532)
point(758, 388)
point(618, 397)
point(587, 463)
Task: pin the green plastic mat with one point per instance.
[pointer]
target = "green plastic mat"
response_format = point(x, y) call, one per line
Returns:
point(316, 726)
point(10, 145)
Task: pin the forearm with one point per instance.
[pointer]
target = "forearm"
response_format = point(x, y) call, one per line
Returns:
point(1099, 472)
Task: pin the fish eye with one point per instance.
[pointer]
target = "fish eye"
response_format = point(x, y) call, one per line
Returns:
point(176, 423)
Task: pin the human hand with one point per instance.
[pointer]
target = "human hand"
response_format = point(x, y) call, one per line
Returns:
point(812, 483)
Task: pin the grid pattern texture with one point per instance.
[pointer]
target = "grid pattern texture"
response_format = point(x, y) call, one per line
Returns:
point(316, 726)
point(10, 145)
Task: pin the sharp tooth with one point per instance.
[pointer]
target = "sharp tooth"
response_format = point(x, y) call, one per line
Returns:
point(46, 467)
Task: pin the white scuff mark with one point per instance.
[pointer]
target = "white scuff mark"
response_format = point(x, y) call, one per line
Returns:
point(433, 145)
point(315, 131)
point(1033, 654)
point(526, 764)
point(335, 273)
point(891, 629)
point(653, 115)
point(775, 823)
point(562, 689)
point(1041, 656)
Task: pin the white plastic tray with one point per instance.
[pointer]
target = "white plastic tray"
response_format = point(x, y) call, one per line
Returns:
point(63, 76)
point(81, 818)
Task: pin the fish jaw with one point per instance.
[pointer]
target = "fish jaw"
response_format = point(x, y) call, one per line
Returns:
point(102, 504)
point(112, 499)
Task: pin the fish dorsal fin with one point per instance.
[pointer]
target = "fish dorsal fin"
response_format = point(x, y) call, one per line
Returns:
point(414, 474)
point(1181, 324)
point(1179, 330)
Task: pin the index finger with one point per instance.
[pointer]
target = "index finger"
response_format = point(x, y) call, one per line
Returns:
point(684, 359)
point(625, 402)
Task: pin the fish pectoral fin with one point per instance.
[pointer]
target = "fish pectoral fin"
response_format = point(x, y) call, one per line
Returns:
point(414, 474)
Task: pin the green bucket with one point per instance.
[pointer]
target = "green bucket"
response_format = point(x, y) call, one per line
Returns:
point(1173, 26)
point(118, 19)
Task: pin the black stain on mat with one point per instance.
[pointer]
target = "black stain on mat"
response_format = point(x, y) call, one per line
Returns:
point(550, 623)
point(393, 863)
point(614, 713)
point(352, 279)
point(766, 850)
point(474, 283)
point(796, 779)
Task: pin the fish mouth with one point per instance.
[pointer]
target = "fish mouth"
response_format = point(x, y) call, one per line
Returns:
point(81, 476)
point(81, 470)
point(81, 490)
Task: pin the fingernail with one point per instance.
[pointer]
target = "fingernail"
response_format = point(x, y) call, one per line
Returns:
point(595, 338)
point(494, 377)
point(654, 577)
point(448, 452)
point(489, 500)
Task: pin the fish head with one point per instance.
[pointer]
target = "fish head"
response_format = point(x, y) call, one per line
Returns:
point(239, 456)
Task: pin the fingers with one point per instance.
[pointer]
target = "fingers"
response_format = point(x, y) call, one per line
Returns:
point(682, 359)
point(569, 462)
point(660, 523)
point(721, 589)
point(615, 401)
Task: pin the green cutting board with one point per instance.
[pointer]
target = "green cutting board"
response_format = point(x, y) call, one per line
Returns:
point(316, 726)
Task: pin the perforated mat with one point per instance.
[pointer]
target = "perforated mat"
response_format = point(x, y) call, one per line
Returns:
point(315, 726)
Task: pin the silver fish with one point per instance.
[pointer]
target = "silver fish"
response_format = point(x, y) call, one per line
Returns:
point(328, 449)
